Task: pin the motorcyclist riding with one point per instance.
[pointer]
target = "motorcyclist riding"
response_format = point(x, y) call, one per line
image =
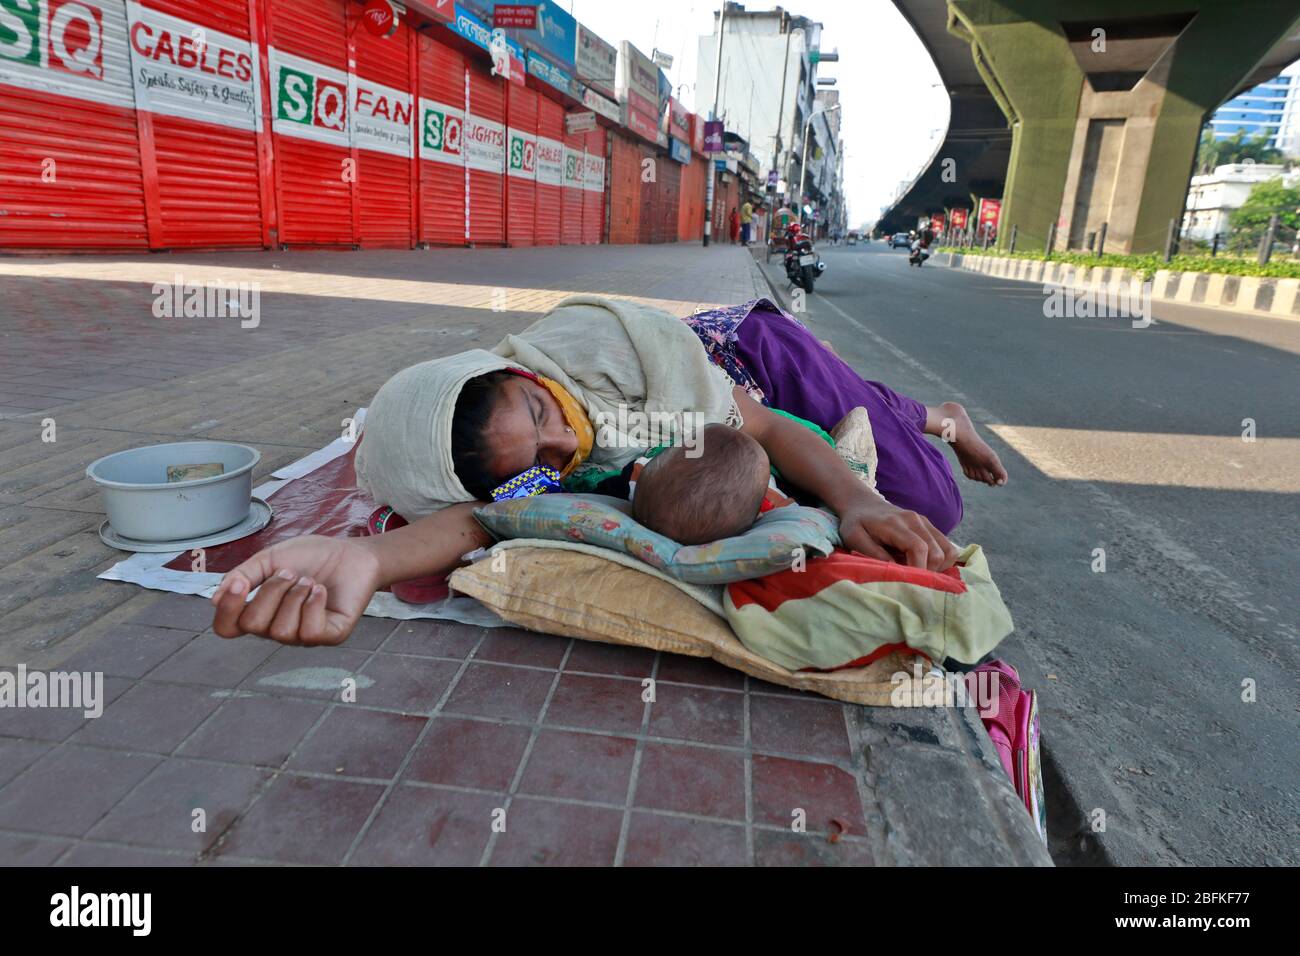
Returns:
point(921, 246)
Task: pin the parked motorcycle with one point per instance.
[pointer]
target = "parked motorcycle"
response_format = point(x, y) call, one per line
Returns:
point(802, 265)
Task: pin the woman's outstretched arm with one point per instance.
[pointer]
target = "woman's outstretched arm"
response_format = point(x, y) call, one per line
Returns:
point(868, 523)
point(313, 589)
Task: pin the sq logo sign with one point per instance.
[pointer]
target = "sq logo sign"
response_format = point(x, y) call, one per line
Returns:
point(442, 132)
point(312, 101)
point(20, 31)
point(76, 38)
point(523, 154)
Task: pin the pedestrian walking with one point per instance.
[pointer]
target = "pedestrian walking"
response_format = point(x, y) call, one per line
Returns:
point(746, 222)
point(734, 224)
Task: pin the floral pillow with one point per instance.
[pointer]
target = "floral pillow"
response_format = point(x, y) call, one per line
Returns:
point(776, 541)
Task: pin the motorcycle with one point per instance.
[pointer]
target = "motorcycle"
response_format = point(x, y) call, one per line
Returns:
point(802, 265)
point(918, 255)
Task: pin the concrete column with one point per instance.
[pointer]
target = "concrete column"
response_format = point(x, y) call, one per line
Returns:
point(1089, 147)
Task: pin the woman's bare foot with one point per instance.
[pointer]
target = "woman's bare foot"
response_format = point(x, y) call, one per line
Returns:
point(979, 462)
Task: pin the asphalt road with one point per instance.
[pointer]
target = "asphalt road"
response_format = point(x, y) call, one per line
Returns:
point(1168, 681)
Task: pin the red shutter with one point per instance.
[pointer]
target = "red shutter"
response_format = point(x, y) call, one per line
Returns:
point(593, 184)
point(625, 191)
point(485, 145)
point(521, 164)
point(550, 172)
point(382, 102)
point(209, 188)
point(314, 165)
point(441, 144)
point(646, 230)
point(69, 148)
point(667, 193)
point(690, 214)
point(574, 189)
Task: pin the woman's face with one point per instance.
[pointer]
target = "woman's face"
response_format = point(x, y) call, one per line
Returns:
point(527, 428)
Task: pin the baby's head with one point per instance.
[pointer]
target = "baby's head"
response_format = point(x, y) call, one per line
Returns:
point(715, 494)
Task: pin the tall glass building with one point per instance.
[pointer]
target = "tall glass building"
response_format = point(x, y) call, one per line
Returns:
point(1272, 108)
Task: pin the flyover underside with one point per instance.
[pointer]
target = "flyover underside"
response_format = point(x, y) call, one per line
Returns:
point(978, 142)
point(1091, 110)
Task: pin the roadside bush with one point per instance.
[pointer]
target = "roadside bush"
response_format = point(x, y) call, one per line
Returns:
point(1147, 265)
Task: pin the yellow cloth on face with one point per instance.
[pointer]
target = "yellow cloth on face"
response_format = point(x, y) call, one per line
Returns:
point(576, 418)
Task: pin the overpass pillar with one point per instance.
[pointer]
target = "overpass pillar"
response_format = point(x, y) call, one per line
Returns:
point(1106, 105)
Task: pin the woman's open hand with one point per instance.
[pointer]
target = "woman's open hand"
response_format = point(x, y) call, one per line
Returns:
point(872, 527)
point(312, 591)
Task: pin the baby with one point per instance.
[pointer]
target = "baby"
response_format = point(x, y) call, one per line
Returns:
point(715, 492)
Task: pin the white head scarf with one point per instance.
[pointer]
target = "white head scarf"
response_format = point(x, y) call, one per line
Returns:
point(404, 459)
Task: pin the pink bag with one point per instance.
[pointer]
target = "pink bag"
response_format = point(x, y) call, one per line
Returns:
point(1014, 732)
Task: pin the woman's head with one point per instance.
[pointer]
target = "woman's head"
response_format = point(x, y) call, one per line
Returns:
point(504, 424)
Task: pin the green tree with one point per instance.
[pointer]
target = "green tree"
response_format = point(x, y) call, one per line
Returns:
point(1207, 154)
point(1250, 220)
point(1233, 149)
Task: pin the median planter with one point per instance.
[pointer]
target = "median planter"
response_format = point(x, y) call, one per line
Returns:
point(1248, 295)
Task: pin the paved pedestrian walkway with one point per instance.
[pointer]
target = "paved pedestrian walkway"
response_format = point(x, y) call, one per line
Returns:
point(455, 728)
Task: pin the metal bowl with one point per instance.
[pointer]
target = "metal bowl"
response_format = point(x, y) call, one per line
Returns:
point(142, 504)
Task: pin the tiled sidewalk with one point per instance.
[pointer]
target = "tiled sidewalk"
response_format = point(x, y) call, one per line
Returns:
point(462, 745)
point(453, 727)
point(466, 746)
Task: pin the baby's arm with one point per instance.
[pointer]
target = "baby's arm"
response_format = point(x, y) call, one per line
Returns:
point(868, 523)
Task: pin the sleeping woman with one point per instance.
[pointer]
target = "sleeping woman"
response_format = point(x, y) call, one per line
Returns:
point(441, 435)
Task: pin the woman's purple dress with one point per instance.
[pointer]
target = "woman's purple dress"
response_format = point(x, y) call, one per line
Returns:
point(778, 361)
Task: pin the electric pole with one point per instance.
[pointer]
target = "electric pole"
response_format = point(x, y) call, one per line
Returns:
point(713, 115)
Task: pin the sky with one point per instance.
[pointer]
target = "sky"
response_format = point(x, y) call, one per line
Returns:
point(893, 117)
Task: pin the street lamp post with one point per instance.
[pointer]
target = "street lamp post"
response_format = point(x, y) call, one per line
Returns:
point(803, 165)
point(713, 115)
point(776, 153)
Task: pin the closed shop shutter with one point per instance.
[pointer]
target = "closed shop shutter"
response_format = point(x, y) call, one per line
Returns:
point(624, 190)
point(314, 165)
point(198, 102)
point(646, 159)
point(574, 194)
point(593, 185)
point(521, 164)
point(443, 173)
point(69, 145)
point(383, 134)
point(690, 215)
point(550, 172)
point(667, 196)
point(485, 153)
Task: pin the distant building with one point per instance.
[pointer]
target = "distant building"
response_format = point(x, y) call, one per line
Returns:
point(1271, 109)
point(763, 53)
point(1213, 196)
